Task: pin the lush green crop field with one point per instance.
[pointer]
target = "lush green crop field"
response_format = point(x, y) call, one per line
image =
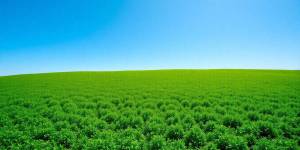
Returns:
point(167, 109)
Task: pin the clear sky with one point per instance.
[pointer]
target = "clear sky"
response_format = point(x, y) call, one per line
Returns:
point(77, 35)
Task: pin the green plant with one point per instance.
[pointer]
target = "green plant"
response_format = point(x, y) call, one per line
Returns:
point(166, 109)
point(253, 116)
point(232, 122)
point(264, 144)
point(65, 138)
point(195, 138)
point(266, 130)
point(157, 142)
point(230, 142)
point(175, 132)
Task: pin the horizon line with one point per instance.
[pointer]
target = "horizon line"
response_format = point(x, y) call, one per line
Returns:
point(132, 70)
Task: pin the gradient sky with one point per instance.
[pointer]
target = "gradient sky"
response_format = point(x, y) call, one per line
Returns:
point(72, 35)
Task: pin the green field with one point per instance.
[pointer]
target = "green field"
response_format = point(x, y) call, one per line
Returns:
point(166, 109)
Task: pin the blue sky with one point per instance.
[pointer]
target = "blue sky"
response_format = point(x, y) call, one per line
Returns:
point(75, 35)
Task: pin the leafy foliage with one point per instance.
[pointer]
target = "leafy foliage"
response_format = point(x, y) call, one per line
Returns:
point(175, 132)
point(195, 138)
point(167, 109)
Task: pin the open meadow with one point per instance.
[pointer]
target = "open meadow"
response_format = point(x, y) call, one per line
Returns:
point(163, 109)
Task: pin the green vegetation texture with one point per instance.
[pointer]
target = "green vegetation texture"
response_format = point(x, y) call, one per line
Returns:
point(166, 109)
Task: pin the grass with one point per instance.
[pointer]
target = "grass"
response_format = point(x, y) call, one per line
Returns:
point(165, 109)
